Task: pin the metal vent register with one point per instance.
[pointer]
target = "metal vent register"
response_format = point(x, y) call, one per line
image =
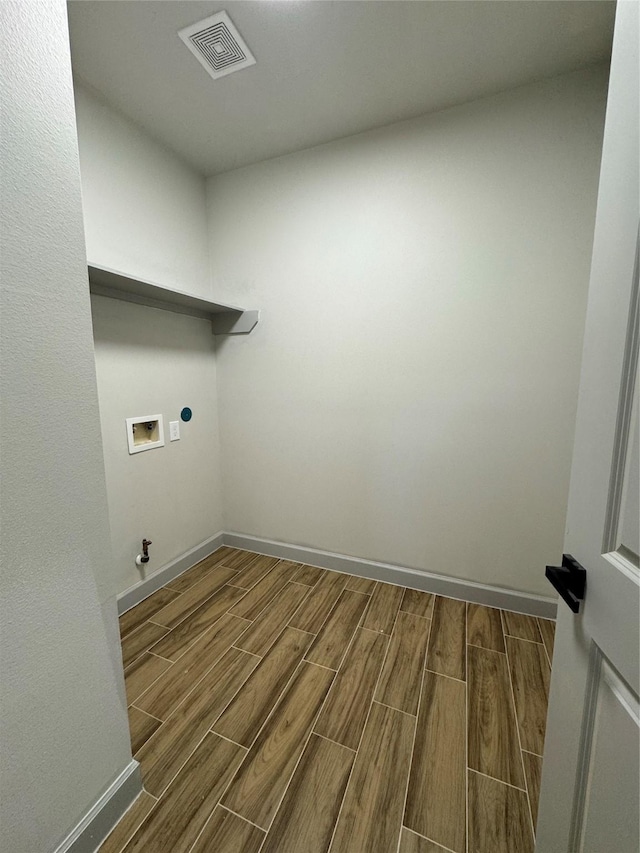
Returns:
point(217, 45)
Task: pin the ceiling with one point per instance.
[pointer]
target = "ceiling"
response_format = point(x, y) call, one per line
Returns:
point(324, 69)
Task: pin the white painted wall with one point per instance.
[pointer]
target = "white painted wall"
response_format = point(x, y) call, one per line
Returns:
point(151, 361)
point(144, 209)
point(65, 737)
point(145, 215)
point(410, 393)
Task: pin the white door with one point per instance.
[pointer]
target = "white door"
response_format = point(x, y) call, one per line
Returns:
point(590, 780)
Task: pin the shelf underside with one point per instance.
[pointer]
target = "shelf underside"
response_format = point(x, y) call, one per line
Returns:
point(225, 319)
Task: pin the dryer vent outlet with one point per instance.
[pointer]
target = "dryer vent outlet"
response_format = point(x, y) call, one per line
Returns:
point(217, 45)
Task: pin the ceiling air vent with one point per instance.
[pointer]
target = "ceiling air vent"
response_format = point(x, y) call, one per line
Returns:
point(216, 43)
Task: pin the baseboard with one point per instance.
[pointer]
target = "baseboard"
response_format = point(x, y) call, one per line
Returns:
point(90, 832)
point(135, 594)
point(492, 596)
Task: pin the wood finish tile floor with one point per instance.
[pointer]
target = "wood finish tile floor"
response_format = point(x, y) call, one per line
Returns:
point(282, 708)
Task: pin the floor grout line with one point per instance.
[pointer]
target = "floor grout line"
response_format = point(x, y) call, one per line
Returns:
point(302, 752)
point(209, 730)
point(415, 730)
point(275, 704)
point(324, 737)
point(199, 636)
point(399, 710)
point(418, 616)
point(452, 677)
point(466, 720)
point(426, 838)
point(546, 650)
point(180, 769)
point(524, 639)
point(197, 682)
point(495, 779)
point(129, 837)
point(309, 589)
point(321, 665)
point(485, 649)
point(253, 654)
point(224, 737)
point(515, 711)
point(242, 817)
point(139, 695)
point(153, 716)
point(364, 727)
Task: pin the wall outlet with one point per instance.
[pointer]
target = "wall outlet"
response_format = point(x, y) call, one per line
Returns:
point(174, 430)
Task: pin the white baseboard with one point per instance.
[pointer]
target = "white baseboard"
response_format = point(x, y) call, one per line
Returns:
point(135, 594)
point(492, 596)
point(90, 832)
point(466, 590)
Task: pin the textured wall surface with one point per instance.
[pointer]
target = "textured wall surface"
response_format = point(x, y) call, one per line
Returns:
point(64, 724)
point(148, 362)
point(144, 209)
point(145, 215)
point(410, 393)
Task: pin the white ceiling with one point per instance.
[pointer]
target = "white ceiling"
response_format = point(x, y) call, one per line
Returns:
point(324, 69)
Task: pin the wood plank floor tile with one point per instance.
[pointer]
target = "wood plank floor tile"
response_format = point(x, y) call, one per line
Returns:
point(227, 833)
point(318, 751)
point(196, 573)
point(530, 675)
point(183, 636)
point(265, 630)
point(312, 613)
point(254, 571)
point(436, 798)
point(417, 602)
point(141, 727)
point(401, 676)
point(168, 749)
point(333, 640)
point(134, 618)
point(165, 694)
point(344, 714)
point(371, 815)
point(383, 608)
point(484, 627)
point(139, 641)
point(548, 631)
point(255, 601)
point(533, 774)
point(446, 652)
point(244, 717)
point(224, 553)
point(519, 625)
point(191, 577)
point(142, 673)
point(499, 819)
point(494, 747)
point(257, 788)
point(308, 575)
point(175, 823)
point(358, 584)
point(412, 843)
point(240, 560)
point(181, 607)
point(309, 811)
point(128, 824)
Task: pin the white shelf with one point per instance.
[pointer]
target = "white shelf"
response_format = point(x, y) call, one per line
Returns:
point(225, 319)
